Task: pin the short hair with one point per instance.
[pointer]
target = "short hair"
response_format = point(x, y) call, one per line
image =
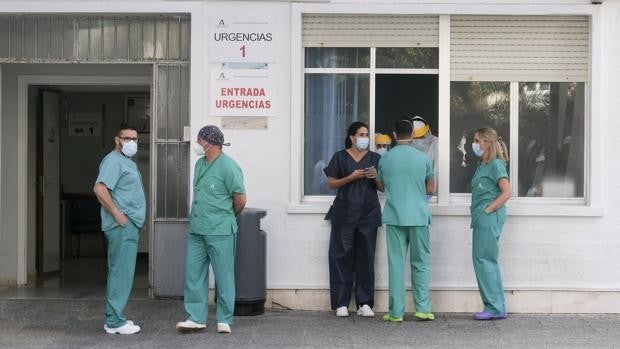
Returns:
point(125, 126)
point(403, 129)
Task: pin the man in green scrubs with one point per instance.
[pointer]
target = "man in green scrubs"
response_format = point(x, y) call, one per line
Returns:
point(406, 174)
point(120, 191)
point(219, 196)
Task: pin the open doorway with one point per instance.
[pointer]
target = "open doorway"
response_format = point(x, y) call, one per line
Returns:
point(75, 128)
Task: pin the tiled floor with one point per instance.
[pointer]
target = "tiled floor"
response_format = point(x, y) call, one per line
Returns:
point(79, 278)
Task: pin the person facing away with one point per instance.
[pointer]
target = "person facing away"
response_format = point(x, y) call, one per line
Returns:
point(120, 191)
point(219, 196)
point(355, 216)
point(426, 142)
point(406, 175)
point(490, 190)
point(382, 143)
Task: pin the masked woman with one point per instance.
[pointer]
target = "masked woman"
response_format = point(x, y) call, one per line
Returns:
point(355, 216)
point(490, 189)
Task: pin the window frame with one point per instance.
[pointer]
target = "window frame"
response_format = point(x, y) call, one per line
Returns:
point(448, 203)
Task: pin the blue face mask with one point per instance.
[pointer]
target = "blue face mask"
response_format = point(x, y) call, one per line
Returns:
point(362, 143)
point(130, 148)
point(477, 150)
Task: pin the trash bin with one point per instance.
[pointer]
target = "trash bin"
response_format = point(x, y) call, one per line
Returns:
point(250, 264)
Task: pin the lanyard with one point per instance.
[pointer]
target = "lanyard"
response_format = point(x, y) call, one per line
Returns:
point(203, 173)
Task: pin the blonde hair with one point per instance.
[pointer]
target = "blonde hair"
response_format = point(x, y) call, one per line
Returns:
point(497, 147)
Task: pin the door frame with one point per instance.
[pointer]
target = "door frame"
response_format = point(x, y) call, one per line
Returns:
point(23, 82)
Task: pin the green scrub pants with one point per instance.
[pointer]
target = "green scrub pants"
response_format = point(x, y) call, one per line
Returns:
point(485, 250)
point(219, 252)
point(122, 252)
point(399, 238)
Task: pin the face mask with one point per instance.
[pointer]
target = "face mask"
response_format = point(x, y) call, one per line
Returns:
point(362, 143)
point(198, 149)
point(477, 150)
point(130, 148)
point(381, 151)
point(421, 144)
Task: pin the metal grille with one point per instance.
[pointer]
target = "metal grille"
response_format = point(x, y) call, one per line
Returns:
point(98, 39)
point(171, 106)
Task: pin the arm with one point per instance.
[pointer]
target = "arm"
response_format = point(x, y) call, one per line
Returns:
point(504, 186)
point(334, 183)
point(103, 195)
point(380, 185)
point(239, 201)
point(430, 185)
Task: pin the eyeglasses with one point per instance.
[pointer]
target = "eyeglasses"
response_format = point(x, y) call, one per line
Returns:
point(127, 139)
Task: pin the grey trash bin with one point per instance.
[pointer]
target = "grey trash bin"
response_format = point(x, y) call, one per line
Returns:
point(250, 264)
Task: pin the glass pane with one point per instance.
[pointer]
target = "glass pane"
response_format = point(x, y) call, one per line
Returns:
point(161, 105)
point(30, 34)
point(332, 102)
point(16, 37)
point(67, 46)
point(83, 38)
point(173, 105)
point(43, 37)
point(161, 38)
point(148, 38)
point(5, 31)
point(174, 42)
point(184, 99)
point(551, 139)
point(96, 39)
point(122, 39)
point(172, 180)
point(135, 39)
point(337, 57)
point(56, 36)
point(474, 105)
point(109, 38)
point(185, 40)
point(408, 57)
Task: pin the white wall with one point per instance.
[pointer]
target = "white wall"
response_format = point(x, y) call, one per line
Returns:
point(550, 252)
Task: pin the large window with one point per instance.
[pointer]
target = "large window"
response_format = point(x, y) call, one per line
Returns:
point(337, 85)
point(525, 76)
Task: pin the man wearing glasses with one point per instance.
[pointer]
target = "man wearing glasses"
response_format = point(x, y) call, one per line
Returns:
point(120, 191)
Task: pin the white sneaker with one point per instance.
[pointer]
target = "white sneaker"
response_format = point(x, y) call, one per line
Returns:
point(365, 311)
point(223, 328)
point(342, 312)
point(189, 326)
point(127, 328)
point(128, 321)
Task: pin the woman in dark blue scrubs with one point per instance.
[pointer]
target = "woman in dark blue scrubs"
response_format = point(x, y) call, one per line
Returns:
point(355, 216)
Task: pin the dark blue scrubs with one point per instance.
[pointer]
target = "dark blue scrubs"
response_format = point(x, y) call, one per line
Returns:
point(355, 216)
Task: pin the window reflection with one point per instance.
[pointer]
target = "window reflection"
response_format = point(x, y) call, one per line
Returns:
point(551, 139)
point(474, 104)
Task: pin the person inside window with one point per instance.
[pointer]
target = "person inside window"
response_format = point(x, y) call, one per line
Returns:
point(355, 216)
point(382, 143)
point(426, 142)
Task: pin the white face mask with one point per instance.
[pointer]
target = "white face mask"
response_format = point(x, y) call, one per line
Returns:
point(198, 149)
point(130, 148)
point(381, 151)
point(477, 150)
point(362, 143)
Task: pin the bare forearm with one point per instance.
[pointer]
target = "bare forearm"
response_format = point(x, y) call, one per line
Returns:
point(239, 201)
point(103, 195)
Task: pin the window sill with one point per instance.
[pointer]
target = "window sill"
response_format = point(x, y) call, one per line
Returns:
point(514, 209)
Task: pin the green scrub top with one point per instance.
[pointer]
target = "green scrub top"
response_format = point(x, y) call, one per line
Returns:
point(404, 170)
point(484, 188)
point(124, 182)
point(214, 184)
